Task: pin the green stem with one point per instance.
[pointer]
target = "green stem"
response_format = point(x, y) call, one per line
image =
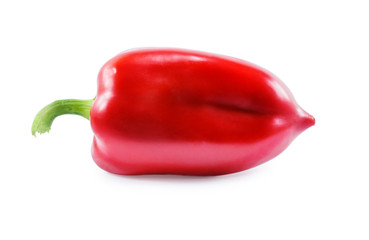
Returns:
point(46, 116)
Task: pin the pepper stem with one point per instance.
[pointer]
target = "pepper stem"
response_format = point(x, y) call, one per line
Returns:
point(45, 117)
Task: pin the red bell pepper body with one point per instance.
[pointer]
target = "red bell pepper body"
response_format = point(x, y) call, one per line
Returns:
point(170, 111)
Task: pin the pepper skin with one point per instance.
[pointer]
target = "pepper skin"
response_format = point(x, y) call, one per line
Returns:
point(172, 111)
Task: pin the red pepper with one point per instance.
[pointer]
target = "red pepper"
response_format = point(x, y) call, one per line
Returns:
point(171, 111)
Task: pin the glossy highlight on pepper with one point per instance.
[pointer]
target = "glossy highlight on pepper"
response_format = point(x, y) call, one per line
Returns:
point(174, 111)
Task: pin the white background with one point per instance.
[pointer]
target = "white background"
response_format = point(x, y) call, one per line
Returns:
point(317, 189)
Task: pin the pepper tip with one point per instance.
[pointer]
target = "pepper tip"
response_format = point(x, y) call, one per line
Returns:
point(306, 120)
